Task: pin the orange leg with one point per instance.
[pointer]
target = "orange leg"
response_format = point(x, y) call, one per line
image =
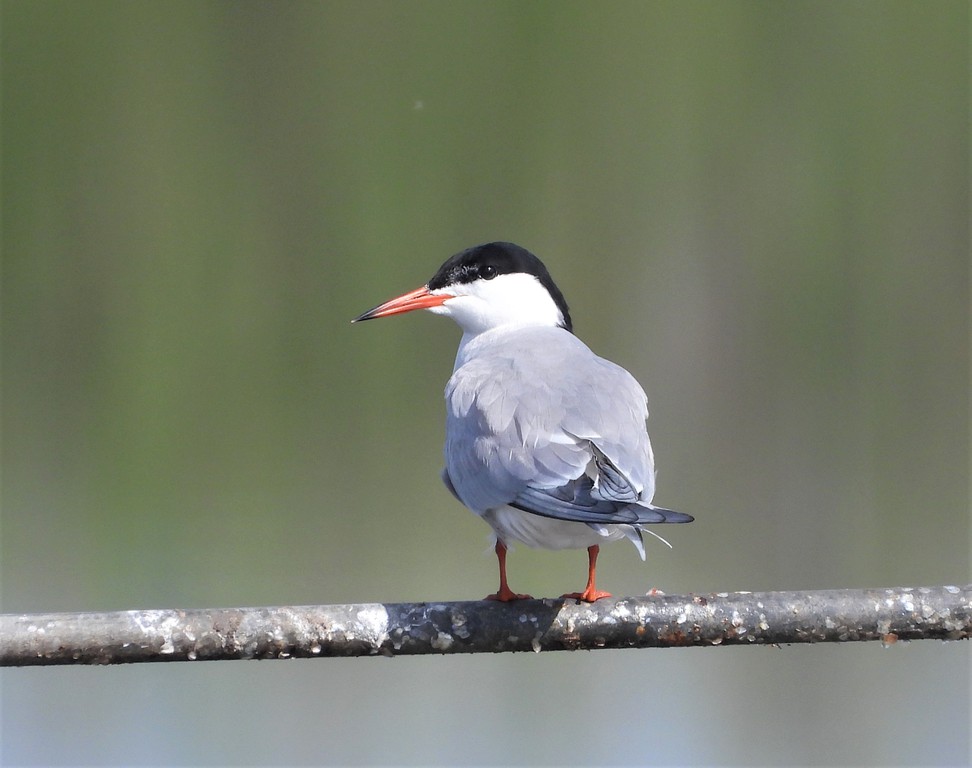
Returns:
point(505, 594)
point(590, 594)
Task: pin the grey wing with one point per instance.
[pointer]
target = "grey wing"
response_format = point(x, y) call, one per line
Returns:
point(602, 496)
point(447, 481)
point(497, 443)
point(576, 449)
point(574, 502)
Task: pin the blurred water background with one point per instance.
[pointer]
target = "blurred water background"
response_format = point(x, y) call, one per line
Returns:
point(759, 208)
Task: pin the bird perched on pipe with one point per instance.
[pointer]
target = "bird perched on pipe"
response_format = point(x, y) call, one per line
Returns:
point(545, 441)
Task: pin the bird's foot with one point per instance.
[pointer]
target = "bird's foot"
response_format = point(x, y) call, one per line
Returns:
point(589, 595)
point(507, 595)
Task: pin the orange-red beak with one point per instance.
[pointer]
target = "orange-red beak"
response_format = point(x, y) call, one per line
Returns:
point(420, 298)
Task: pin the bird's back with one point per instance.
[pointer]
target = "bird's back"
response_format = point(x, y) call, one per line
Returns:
point(532, 408)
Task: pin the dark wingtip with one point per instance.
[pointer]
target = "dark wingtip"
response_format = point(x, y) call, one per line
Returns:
point(669, 515)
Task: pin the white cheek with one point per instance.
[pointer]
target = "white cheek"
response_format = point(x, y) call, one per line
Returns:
point(515, 299)
point(470, 312)
point(520, 298)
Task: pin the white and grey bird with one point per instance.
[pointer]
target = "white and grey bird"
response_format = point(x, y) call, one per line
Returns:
point(545, 441)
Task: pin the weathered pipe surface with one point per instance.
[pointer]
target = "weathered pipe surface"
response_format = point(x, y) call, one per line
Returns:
point(393, 629)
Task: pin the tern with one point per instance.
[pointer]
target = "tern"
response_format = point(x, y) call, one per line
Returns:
point(545, 441)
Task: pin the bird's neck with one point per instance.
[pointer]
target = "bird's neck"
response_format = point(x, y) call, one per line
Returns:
point(473, 342)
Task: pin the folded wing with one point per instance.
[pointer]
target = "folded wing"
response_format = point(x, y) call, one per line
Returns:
point(575, 450)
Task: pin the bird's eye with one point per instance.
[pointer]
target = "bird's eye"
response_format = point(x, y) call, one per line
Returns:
point(487, 272)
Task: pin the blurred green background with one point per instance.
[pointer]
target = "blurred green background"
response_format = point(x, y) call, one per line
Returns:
point(759, 208)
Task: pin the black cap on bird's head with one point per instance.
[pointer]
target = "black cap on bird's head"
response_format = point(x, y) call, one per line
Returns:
point(525, 294)
point(484, 262)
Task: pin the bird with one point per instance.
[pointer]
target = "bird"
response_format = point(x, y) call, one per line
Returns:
point(545, 441)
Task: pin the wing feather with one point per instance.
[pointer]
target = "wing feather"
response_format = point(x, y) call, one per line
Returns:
point(537, 421)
